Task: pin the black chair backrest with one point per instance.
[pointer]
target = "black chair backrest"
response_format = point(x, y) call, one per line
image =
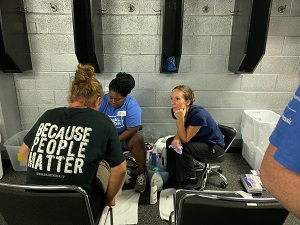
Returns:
point(229, 134)
point(227, 209)
point(50, 205)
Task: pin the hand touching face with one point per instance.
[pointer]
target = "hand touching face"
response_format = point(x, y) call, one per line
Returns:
point(180, 113)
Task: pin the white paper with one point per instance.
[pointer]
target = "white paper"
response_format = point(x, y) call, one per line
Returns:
point(166, 203)
point(126, 209)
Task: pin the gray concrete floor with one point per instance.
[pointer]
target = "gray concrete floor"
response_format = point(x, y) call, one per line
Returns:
point(232, 167)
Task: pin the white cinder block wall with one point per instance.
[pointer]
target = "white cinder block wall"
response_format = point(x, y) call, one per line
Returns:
point(132, 42)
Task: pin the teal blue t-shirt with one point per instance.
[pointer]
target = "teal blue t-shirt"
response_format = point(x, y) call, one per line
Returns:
point(286, 135)
point(128, 115)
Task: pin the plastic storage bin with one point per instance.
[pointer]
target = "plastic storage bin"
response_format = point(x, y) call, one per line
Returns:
point(13, 145)
point(252, 155)
point(257, 126)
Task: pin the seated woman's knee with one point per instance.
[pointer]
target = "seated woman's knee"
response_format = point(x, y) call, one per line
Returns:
point(169, 141)
point(136, 140)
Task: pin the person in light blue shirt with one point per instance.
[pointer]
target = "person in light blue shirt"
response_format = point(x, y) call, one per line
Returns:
point(126, 114)
point(280, 168)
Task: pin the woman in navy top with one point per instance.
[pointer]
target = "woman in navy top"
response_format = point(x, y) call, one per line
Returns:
point(197, 134)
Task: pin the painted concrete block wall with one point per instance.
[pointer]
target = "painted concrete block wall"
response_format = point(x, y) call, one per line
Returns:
point(132, 42)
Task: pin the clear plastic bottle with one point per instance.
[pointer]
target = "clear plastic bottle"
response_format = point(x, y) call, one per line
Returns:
point(153, 159)
point(153, 191)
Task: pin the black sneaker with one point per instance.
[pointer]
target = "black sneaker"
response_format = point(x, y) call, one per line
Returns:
point(181, 185)
point(140, 184)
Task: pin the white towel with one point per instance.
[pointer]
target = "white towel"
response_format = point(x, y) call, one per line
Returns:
point(166, 203)
point(126, 209)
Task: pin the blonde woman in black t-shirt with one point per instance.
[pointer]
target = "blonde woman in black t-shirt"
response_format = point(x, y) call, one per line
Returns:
point(67, 144)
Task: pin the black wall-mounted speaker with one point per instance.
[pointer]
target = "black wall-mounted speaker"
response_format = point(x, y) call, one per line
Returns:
point(87, 23)
point(14, 46)
point(249, 34)
point(172, 26)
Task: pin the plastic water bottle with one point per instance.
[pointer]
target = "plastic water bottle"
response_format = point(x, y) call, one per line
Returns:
point(153, 159)
point(153, 191)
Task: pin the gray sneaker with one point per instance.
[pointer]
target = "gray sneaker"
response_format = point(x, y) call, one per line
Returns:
point(140, 184)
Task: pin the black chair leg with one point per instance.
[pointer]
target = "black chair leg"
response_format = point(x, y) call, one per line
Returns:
point(224, 183)
point(204, 177)
point(206, 170)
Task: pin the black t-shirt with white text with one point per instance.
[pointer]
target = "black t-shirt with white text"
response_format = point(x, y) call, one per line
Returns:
point(66, 147)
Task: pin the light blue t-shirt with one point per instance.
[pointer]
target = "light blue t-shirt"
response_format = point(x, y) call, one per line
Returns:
point(286, 135)
point(128, 115)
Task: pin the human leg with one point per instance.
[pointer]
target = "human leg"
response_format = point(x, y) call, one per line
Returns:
point(184, 166)
point(203, 150)
point(136, 146)
point(185, 163)
point(190, 151)
point(103, 174)
point(171, 160)
point(179, 166)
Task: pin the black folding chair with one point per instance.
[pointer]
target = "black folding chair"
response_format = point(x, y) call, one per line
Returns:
point(208, 164)
point(49, 205)
point(226, 208)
